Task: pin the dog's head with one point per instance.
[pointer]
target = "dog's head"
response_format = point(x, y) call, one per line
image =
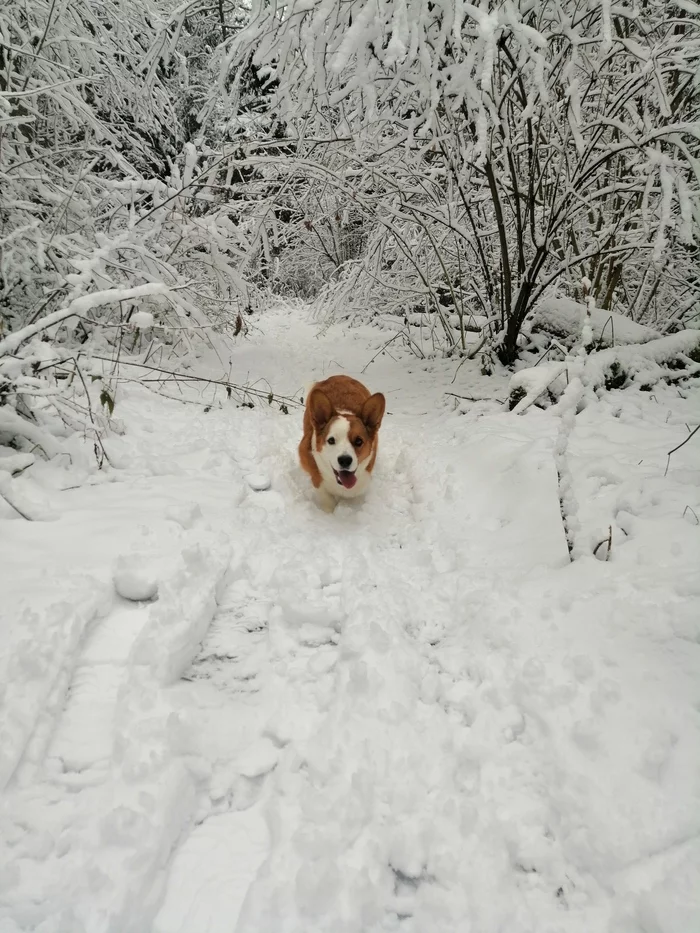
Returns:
point(345, 440)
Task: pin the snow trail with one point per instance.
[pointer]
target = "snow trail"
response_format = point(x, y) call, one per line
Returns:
point(373, 766)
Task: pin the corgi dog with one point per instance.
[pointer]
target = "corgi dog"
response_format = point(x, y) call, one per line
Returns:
point(339, 446)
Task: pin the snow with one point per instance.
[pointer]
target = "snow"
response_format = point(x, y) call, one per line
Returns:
point(642, 363)
point(416, 714)
point(11, 462)
point(142, 319)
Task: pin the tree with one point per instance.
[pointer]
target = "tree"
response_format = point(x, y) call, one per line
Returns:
point(499, 150)
point(112, 221)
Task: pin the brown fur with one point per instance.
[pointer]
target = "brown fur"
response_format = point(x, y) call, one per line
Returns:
point(341, 395)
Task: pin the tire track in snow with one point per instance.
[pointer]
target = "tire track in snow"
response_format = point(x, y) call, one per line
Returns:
point(44, 656)
point(86, 826)
point(83, 740)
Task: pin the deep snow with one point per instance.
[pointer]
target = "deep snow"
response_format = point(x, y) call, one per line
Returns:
point(415, 714)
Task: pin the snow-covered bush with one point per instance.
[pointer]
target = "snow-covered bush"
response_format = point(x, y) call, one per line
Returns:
point(114, 234)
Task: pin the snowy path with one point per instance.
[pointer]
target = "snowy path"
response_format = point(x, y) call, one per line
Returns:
point(414, 714)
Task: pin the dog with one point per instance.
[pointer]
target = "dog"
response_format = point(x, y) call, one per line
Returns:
point(339, 447)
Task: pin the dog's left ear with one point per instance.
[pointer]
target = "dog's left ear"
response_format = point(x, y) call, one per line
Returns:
point(320, 408)
point(373, 412)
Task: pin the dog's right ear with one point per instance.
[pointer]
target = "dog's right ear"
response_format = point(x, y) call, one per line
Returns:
point(373, 412)
point(320, 408)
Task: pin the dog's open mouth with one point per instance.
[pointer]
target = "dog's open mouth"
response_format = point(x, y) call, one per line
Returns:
point(345, 478)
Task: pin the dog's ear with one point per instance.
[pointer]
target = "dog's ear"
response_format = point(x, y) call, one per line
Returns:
point(320, 408)
point(373, 412)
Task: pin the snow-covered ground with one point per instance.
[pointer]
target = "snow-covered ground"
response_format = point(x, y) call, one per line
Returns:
point(414, 715)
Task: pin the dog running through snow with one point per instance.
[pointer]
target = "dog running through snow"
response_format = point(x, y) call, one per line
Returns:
point(339, 447)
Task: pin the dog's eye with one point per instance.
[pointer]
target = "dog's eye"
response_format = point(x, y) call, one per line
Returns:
point(358, 442)
point(331, 440)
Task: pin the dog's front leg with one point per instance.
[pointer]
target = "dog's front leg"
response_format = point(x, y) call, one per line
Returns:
point(326, 500)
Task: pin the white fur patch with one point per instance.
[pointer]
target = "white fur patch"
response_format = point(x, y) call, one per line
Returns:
point(340, 432)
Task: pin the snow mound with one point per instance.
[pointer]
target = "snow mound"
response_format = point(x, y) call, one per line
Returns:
point(26, 498)
point(258, 482)
point(528, 384)
point(135, 579)
point(563, 318)
point(642, 365)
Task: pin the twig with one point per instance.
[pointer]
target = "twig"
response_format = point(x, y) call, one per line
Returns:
point(6, 497)
point(472, 398)
point(470, 355)
point(381, 349)
point(612, 332)
point(607, 541)
point(544, 355)
point(171, 398)
point(44, 303)
point(259, 393)
point(102, 456)
point(682, 444)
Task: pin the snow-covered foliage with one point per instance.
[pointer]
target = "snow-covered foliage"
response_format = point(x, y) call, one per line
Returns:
point(495, 151)
point(454, 165)
point(114, 236)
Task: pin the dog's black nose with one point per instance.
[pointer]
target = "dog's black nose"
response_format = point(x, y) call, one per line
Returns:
point(344, 461)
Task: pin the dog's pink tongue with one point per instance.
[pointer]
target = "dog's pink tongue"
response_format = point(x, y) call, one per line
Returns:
point(347, 478)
